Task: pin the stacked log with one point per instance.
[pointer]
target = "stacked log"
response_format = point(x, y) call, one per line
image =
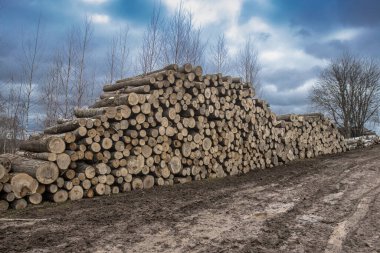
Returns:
point(169, 126)
point(362, 141)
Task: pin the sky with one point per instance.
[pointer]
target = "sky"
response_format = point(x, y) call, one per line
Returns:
point(295, 39)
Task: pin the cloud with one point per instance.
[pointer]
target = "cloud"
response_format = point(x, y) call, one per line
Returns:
point(96, 2)
point(344, 34)
point(293, 100)
point(207, 12)
point(100, 18)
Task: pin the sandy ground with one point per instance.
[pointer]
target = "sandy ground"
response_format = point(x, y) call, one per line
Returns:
point(329, 204)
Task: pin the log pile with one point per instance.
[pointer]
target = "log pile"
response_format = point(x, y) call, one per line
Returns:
point(169, 126)
point(362, 141)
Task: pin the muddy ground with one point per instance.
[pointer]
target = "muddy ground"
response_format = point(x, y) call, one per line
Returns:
point(328, 204)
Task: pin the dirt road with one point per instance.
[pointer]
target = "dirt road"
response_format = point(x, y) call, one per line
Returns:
point(329, 204)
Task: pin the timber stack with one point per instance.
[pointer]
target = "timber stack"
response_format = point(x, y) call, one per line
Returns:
point(169, 126)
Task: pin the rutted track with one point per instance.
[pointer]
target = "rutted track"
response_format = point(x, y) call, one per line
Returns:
point(328, 204)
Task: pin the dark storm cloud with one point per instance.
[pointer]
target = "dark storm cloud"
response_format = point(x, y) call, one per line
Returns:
point(326, 50)
point(327, 14)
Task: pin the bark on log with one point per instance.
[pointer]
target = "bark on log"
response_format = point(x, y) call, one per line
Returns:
point(133, 82)
point(45, 172)
point(65, 127)
point(51, 157)
point(45, 144)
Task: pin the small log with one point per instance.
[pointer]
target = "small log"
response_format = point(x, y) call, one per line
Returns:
point(59, 197)
point(148, 182)
point(4, 205)
point(76, 193)
point(35, 198)
point(19, 204)
point(88, 170)
point(186, 68)
point(3, 172)
point(175, 165)
point(100, 189)
point(5, 162)
point(137, 183)
point(63, 161)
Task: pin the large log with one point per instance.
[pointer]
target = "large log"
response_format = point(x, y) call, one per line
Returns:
point(45, 172)
point(110, 112)
point(23, 184)
point(44, 144)
point(65, 127)
point(51, 157)
point(133, 82)
point(127, 99)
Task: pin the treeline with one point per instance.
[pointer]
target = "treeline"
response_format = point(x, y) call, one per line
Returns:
point(48, 87)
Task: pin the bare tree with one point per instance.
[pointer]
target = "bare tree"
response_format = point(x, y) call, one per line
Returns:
point(123, 52)
point(348, 90)
point(181, 40)
point(68, 58)
point(117, 55)
point(84, 35)
point(150, 48)
point(219, 55)
point(248, 65)
point(12, 117)
point(31, 57)
point(50, 92)
point(111, 60)
point(195, 49)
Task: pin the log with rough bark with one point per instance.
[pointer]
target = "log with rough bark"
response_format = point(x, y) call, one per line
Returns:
point(45, 172)
point(45, 144)
point(52, 157)
point(132, 82)
point(65, 126)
